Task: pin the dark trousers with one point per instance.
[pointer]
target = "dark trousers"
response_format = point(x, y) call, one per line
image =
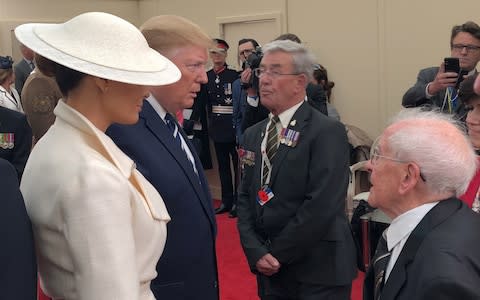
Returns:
point(287, 288)
point(226, 156)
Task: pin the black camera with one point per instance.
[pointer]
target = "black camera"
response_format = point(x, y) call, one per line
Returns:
point(252, 62)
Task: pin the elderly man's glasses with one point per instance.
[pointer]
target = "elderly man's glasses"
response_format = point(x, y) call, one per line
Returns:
point(375, 156)
point(260, 72)
point(470, 48)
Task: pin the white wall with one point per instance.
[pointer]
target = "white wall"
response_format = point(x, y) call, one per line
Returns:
point(372, 49)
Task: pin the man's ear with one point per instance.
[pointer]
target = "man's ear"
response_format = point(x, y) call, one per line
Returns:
point(410, 178)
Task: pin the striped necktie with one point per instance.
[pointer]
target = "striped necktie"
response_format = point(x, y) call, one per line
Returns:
point(380, 262)
point(172, 126)
point(271, 146)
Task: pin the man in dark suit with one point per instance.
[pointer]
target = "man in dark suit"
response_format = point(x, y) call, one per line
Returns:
point(291, 206)
point(431, 249)
point(15, 138)
point(23, 68)
point(438, 88)
point(162, 152)
point(18, 274)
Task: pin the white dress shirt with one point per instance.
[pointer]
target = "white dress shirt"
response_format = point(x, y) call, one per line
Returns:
point(400, 229)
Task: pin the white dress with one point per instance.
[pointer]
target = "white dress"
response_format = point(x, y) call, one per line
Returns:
point(99, 225)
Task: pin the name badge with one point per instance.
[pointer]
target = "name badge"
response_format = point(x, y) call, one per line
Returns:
point(264, 195)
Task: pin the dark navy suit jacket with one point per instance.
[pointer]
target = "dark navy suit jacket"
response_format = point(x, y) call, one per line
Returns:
point(187, 268)
point(18, 272)
point(440, 259)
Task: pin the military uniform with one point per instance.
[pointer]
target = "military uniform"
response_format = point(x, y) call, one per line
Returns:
point(15, 138)
point(218, 94)
point(40, 95)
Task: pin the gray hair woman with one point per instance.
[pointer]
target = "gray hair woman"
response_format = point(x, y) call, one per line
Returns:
point(99, 226)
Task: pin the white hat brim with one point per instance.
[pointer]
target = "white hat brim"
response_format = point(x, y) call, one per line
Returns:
point(148, 67)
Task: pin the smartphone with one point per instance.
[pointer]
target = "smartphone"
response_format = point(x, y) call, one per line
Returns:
point(452, 64)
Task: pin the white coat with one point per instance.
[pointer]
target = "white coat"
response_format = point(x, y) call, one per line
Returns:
point(99, 226)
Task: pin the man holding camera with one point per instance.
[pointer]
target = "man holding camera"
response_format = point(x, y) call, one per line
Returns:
point(246, 108)
point(437, 86)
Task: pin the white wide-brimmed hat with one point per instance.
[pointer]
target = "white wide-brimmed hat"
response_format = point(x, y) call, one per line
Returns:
point(102, 45)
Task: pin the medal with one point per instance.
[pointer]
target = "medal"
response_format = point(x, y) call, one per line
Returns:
point(217, 80)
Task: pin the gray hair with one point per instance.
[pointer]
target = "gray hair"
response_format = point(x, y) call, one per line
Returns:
point(303, 59)
point(438, 144)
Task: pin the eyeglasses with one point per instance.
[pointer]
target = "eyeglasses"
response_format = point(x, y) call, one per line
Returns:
point(460, 47)
point(375, 157)
point(246, 52)
point(260, 72)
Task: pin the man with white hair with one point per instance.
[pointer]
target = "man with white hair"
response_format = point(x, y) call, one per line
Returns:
point(419, 166)
point(291, 205)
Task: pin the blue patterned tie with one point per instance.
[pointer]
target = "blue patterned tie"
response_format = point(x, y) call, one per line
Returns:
point(172, 125)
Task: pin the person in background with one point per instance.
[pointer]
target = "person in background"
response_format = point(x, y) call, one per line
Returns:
point(15, 139)
point(471, 101)
point(437, 88)
point(291, 207)
point(243, 90)
point(17, 254)
point(162, 152)
point(99, 226)
point(216, 94)
point(24, 67)
point(418, 167)
point(9, 97)
point(40, 95)
point(320, 77)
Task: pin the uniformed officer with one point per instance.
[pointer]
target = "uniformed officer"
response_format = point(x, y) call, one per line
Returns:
point(40, 95)
point(218, 97)
point(15, 138)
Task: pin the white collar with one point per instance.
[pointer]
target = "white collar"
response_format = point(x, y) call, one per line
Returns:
point(157, 107)
point(287, 115)
point(405, 223)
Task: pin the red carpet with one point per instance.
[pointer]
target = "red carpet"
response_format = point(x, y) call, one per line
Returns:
point(236, 280)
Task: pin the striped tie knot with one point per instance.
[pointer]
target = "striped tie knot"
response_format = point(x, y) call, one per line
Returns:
point(272, 138)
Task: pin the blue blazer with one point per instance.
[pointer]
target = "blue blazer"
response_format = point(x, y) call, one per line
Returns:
point(18, 274)
point(187, 268)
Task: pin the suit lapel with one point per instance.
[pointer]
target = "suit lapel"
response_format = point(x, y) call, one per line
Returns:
point(297, 123)
point(398, 276)
point(158, 128)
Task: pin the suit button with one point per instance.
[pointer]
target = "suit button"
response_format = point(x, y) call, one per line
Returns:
point(215, 284)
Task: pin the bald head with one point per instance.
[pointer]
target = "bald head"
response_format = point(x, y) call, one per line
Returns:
point(476, 86)
point(439, 146)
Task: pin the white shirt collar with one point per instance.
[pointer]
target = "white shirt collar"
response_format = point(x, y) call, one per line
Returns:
point(287, 115)
point(403, 225)
point(157, 107)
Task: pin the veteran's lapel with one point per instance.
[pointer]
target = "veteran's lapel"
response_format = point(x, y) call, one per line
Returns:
point(290, 142)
